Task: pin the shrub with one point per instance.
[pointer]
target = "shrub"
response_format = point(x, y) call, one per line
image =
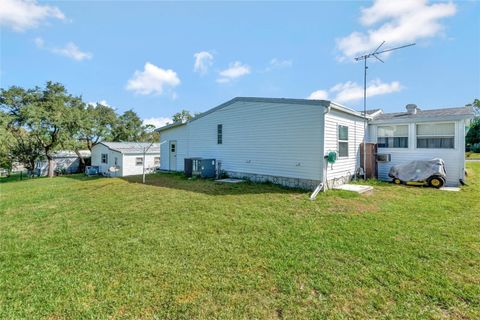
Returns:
point(475, 147)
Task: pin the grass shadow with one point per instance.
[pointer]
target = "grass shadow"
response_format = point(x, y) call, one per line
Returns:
point(209, 186)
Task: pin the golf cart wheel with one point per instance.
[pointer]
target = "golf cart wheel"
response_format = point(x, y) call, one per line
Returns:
point(397, 181)
point(436, 182)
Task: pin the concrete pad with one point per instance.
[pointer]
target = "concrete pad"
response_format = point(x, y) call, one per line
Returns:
point(354, 188)
point(230, 180)
point(454, 189)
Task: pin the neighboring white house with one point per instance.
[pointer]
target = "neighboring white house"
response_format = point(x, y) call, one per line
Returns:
point(422, 135)
point(286, 141)
point(125, 158)
point(283, 141)
point(64, 160)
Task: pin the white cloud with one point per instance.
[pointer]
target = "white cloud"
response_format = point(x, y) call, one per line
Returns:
point(152, 80)
point(72, 51)
point(318, 95)
point(276, 63)
point(203, 61)
point(234, 71)
point(102, 102)
point(351, 91)
point(402, 22)
point(21, 15)
point(157, 122)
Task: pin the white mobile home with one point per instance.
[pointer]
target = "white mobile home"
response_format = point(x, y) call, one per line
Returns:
point(422, 135)
point(122, 159)
point(286, 141)
point(264, 139)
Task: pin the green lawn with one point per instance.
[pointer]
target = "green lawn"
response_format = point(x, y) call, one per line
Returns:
point(472, 155)
point(98, 248)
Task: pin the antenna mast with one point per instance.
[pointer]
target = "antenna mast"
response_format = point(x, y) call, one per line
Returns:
point(365, 67)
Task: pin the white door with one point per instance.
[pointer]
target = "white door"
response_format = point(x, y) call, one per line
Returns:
point(173, 156)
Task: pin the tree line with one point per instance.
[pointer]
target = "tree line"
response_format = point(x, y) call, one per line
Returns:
point(35, 123)
point(473, 135)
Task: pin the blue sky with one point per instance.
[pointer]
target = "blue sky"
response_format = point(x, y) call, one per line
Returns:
point(142, 55)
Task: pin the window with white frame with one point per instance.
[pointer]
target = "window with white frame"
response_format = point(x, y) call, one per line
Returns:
point(139, 161)
point(156, 161)
point(342, 141)
point(395, 136)
point(104, 158)
point(436, 135)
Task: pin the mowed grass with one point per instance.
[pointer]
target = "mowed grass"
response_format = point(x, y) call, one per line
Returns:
point(472, 155)
point(98, 248)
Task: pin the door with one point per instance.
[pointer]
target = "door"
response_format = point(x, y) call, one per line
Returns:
point(173, 156)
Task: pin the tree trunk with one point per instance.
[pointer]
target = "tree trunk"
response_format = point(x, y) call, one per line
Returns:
point(51, 163)
point(81, 167)
point(32, 168)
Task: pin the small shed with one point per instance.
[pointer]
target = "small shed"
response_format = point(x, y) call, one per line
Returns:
point(120, 159)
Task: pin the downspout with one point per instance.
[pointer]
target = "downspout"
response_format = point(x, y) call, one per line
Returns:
point(322, 185)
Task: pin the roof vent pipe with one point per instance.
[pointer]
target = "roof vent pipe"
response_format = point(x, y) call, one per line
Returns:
point(412, 108)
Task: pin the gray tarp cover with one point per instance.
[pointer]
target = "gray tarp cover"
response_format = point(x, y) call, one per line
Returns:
point(418, 170)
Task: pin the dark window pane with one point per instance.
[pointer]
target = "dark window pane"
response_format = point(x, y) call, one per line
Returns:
point(219, 134)
point(392, 142)
point(343, 149)
point(436, 143)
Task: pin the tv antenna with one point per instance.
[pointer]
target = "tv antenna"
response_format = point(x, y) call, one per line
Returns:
point(365, 57)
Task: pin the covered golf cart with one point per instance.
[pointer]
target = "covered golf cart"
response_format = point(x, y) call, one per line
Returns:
point(430, 173)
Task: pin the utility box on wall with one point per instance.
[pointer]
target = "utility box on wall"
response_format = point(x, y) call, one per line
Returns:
point(207, 168)
point(192, 167)
point(198, 167)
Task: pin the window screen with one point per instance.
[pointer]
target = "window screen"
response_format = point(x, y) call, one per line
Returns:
point(392, 136)
point(104, 158)
point(219, 134)
point(342, 141)
point(436, 136)
point(156, 161)
point(139, 161)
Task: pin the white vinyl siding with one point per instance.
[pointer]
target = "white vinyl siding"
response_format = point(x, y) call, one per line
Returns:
point(394, 136)
point(178, 134)
point(125, 163)
point(344, 166)
point(101, 153)
point(276, 139)
point(131, 163)
point(436, 135)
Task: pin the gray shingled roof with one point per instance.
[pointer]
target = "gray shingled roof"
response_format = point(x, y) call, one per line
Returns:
point(132, 147)
point(438, 114)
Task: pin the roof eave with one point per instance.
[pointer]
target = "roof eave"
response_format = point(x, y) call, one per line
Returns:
point(348, 110)
point(172, 125)
point(423, 119)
